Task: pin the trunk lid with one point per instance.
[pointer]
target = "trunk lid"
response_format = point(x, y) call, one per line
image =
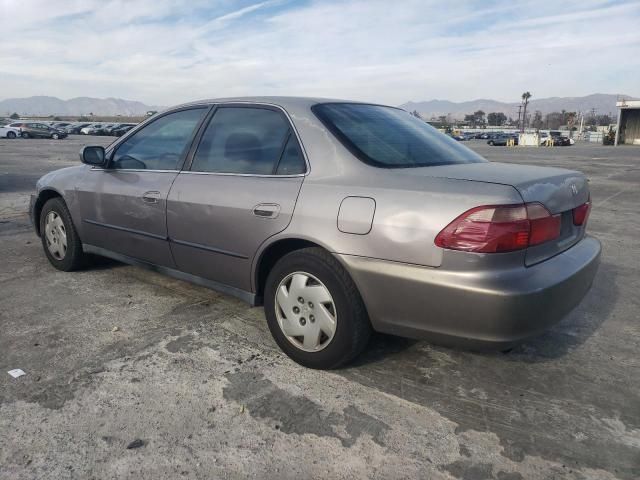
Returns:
point(559, 190)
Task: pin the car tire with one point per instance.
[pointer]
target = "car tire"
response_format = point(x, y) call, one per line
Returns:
point(56, 217)
point(55, 136)
point(25, 135)
point(491, 143)
point(342, 310)
point(11, 135)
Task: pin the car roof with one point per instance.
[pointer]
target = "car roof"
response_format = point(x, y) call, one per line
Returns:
point(284, 102)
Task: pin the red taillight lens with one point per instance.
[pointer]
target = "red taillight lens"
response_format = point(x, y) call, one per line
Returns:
point(487, 229)
point(501, 228)
point(544, 226)
point(581, 214)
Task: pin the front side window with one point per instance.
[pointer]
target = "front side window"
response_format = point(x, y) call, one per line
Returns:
point(243, 140)
point(161, 145)
point(391, 138)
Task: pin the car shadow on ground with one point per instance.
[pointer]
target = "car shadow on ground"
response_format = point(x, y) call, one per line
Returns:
point(381, 348)
point(577, 327)
point(96, 262)
point(561, 339)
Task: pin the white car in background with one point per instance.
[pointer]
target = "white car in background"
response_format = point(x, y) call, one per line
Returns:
point(91, 129)
point(10, 132)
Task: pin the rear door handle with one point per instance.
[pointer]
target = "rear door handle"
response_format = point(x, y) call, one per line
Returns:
point(266, 210)
point(151, 197)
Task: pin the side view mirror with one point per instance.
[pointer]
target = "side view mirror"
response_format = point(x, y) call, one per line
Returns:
point(93, 155)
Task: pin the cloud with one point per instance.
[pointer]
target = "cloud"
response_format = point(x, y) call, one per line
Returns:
point(165, 52)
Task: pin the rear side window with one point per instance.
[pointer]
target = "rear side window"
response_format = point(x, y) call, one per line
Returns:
point(160, 145)
point(391, 138)
point(246, 140)
point(292, 161)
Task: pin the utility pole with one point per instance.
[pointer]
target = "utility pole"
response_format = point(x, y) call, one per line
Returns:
point(519, 113)
point(581, 122)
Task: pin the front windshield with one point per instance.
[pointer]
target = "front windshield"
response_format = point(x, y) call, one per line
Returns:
point(390, 137)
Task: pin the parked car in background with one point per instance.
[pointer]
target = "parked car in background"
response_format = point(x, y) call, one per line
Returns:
point(559, 139)
point(556, 139)
point(118, 132)
point(61, 125)
point(75, 128)
point(104, 129)
point(352, 217)
point(92, 129)
point(38, 130)
point(501, 140)
point(109, 128)
point(10, 132)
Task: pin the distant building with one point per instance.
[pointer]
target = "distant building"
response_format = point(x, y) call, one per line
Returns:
point(628, 129)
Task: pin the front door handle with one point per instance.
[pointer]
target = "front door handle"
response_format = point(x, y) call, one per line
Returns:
point(266, 210)
point(151, 197)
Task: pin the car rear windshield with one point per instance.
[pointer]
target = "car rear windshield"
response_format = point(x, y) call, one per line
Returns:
point(390, 137)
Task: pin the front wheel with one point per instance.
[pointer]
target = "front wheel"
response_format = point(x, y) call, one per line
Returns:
point(25, 135)
point(60, 240)
point(314, 310)
point(11, 135)
point(491, 143)
point(55, 136)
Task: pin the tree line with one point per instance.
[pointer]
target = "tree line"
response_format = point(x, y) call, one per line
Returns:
point(550, 121)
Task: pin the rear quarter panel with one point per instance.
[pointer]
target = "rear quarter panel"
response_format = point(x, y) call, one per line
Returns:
point(409, 213)
point(410, 210)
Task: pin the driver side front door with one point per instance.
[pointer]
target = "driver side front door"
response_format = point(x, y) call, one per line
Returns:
point(123, 206)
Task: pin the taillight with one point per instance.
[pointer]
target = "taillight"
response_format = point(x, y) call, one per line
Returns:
point(500, 228)
point(544, 226)
point(581, 214)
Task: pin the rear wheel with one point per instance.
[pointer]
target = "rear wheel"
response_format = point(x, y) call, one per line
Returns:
point(55, 136)
point(491, 143)
point(11, 134)
point(25, 135)
point(60, 240)
point(314, 310)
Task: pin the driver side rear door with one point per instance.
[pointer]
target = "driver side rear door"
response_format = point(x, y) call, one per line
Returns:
point(123, 206)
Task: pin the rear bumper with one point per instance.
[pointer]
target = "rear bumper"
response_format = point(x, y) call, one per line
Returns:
point(484, 308)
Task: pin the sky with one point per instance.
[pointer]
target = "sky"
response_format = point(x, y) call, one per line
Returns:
point(165, 52)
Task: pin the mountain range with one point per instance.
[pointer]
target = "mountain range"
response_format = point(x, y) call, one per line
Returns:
point(42, 106)
point(602, 103)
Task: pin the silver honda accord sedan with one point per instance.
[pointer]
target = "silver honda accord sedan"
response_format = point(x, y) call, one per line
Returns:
point(339, 217)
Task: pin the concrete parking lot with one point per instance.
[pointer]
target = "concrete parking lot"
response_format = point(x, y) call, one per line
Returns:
point(116, 354)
